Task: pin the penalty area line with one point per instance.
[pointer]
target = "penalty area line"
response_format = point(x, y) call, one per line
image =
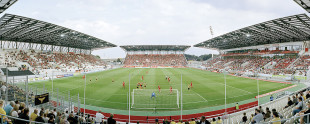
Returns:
point(240, 89)
point(235, 88)
point(200, 96)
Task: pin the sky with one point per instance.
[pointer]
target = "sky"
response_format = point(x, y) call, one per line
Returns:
point(154, 22)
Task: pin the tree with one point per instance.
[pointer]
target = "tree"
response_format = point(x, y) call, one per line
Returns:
point(205, 57)
point(118, 60)
point(198, 58)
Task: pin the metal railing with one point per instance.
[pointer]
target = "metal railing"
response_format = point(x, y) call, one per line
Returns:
point(66, 100)
point(16, 118)
point(295, 119)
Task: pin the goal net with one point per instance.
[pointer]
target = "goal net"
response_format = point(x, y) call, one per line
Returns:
point(142, 99)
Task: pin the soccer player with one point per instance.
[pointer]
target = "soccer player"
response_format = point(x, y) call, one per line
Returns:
point(138, 84)
point(168, 79)
point(158, 88)
point(142, 77)
point(153, 95)
point(170, 89)
point(188, 87)
point(191, 84)
point(123, 84)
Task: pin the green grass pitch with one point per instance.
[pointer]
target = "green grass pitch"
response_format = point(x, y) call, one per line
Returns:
point(208, 87)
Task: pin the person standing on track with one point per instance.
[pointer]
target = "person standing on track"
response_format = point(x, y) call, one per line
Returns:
point(99, 117)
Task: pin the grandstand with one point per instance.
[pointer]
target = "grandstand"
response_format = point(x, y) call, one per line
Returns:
point(33, 50)
point(48, 75)
point(276, 48)
point(275, 55)
point(155, 56)
point(23, 47)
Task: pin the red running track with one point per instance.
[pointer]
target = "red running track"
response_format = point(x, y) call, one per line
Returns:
point(151, 119)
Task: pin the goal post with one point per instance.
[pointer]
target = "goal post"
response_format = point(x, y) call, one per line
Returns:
point(142, 99)
point(178, 98)
point(133, 98)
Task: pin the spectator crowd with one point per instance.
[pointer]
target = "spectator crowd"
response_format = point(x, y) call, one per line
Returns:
point(155, 60)
point(48, 60)
point(266, 65)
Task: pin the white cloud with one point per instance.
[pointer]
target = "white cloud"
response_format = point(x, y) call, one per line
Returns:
point(96, 28)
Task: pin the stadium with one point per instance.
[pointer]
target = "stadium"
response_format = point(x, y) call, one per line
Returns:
point(50, 74)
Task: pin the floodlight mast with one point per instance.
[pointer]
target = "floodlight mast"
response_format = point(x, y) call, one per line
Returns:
point(263, 33)
point(211, 31)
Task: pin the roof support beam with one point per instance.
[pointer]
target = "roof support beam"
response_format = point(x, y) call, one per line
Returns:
point(7, 21)
point(16, 28)
point(289, 29)
point(286, 29)
point(23, 29)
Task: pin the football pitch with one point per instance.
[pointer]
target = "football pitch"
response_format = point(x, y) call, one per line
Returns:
point(105, 89)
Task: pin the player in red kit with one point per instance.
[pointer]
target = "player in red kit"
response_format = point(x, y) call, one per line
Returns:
point(142, 77)
point(123, 84)
point(191, 84)
point(170, 89)
point(158, 88)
